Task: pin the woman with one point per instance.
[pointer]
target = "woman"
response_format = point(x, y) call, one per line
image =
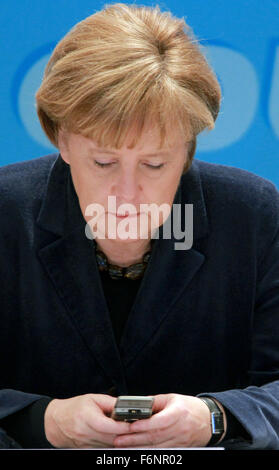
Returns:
point(124, 96)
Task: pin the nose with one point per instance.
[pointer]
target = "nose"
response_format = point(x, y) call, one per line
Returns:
point(127, 185)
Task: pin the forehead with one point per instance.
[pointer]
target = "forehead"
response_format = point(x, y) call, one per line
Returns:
point(149, 141)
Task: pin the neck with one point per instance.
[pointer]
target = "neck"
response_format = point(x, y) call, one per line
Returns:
point(122, 253)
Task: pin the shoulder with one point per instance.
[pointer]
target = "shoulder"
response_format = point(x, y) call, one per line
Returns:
point(18, 181)
point(239, 203)
point(23, 186)
point(237, 188)
point(26, 174)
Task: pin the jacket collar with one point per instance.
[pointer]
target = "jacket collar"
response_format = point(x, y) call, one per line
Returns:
point(60, 212)
point(68, 258)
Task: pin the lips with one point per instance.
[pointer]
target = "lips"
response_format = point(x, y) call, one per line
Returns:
point(125, 214)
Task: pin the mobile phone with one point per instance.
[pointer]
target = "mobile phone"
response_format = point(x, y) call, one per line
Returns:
point(131, 408)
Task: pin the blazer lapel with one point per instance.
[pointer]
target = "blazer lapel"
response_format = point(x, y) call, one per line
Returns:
point(168, 274)
point(69, 260)
point(164, 281)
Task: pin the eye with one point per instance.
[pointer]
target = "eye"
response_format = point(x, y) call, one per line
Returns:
point(102, 165)
point(155, 167)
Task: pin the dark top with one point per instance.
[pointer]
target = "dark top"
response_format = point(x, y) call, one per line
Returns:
point(27, 425)
point(205, 320)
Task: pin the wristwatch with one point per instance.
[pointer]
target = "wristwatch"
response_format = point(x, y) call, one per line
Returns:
point(216, 420)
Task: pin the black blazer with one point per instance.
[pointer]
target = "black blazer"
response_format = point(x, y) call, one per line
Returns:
point(205, 320)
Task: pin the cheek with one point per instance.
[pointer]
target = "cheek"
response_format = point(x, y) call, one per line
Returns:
point(89, 190)
point(166, 189)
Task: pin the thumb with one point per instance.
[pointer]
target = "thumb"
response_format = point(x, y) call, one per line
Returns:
point(105, 402)
point(160, 402)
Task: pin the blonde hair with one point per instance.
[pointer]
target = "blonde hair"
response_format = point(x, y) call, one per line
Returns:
point(122, 66)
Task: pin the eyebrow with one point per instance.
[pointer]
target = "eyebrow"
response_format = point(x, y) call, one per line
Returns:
point(152, 154)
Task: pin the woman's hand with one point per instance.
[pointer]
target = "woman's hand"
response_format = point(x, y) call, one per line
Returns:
point(82, 422)
point(179, 421)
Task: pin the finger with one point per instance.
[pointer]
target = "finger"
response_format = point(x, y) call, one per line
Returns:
point(154, 436)
point(150, 439)
point(160, 402)
point(102, 423)
point(105, 424)
point(101, 440)
point(96, 445)
point(161, 420)
point(105, 402)
point(137, 439)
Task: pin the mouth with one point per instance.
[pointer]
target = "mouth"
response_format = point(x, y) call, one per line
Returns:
point(126, 214)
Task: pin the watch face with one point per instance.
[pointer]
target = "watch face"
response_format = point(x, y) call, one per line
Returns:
point(217, 423)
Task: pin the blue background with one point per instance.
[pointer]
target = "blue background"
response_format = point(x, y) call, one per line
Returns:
point(240, 39)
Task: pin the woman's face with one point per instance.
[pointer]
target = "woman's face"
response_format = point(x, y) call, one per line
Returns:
point(141, 175)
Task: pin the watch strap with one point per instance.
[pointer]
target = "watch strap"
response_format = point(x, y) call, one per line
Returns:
point(216, 420)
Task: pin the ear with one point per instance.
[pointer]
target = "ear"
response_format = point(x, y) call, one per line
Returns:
point(63, 145)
